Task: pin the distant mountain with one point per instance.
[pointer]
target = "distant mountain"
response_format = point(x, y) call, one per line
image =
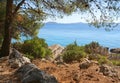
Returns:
point(67, 25)
point(64, 23)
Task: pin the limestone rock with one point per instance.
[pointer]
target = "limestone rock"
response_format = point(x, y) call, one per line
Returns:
point(56, 50)
point(16, 59)
point(29, 73)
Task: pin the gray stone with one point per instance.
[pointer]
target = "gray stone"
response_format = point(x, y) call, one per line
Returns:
point(115, 50)
point(29, 73)
point(16, 59)
point(56, 51)
point(85, 64)
point(108, 71)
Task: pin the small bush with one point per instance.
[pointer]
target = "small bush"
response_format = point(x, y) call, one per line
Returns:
point(103, 60)
point(100, 58)
point(115, 62)
point(73, 52)
point(29, 56)
point(96, 52)
point(34, 48)
point(18, 46)
point(92, 48)
point(94, 56)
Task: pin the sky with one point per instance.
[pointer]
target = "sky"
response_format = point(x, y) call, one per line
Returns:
point(74, 18)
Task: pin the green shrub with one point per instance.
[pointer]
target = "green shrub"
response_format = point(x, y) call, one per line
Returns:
point(103, 60)
point(73, 52)
point(100, 58)
point(95, 52)
point(94, 56)
point(35, 48)
point(18, 46)
point(92, 48)
point(115, 62)
point(29, 56)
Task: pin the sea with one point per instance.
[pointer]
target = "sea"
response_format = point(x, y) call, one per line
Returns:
point(82, 33)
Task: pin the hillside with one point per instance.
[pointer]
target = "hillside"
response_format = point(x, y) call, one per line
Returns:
point(64, 73)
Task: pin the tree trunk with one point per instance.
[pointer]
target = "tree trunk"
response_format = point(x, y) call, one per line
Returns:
point(5, 49)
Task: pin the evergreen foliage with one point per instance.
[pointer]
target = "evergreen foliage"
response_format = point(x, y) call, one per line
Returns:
point(35, 48)
point(92, 48)
point(115, 62)
point(73, 52)
point(23, 24)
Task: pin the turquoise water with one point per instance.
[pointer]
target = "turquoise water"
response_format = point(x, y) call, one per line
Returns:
point(65, 34)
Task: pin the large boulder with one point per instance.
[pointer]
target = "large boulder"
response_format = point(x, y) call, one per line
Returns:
point(29, 73)
point(16, 59)
point(115, 50)
point(56, 50)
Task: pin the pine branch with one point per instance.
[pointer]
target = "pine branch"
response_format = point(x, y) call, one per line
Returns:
point(18, 7)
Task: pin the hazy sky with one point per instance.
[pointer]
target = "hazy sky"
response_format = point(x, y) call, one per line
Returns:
point(74, 18)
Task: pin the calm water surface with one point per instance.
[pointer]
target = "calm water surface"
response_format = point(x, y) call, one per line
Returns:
point(65, 34)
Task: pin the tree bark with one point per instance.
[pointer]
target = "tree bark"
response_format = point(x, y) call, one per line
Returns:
point(7, 29)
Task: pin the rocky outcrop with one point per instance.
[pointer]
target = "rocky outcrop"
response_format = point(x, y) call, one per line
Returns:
point(29, 73)
point(56, 50)
point(115, 50)
point(16, 59)
point(108, 71)
point(114, 54)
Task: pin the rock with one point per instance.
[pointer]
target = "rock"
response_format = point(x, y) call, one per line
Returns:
point(29, 73)
point(76, 77)
point(16, 59)
point(85, 64)
point(115, 50)
point(108, 71)
point(56, 50)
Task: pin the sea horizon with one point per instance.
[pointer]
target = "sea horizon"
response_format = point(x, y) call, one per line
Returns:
point(82, 33)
